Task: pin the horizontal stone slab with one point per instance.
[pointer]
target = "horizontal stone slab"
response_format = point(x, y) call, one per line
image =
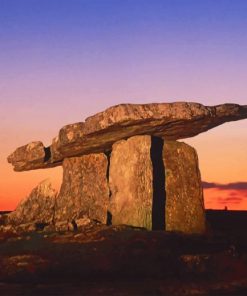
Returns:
point(32, 156)
point(98, 133)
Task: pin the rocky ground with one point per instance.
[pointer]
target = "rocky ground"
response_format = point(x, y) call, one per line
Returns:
point(107, 260)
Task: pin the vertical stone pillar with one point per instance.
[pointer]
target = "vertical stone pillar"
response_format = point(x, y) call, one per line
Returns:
point(144, 181)
point(84, 190)
point(130, 180)
point(184, 195)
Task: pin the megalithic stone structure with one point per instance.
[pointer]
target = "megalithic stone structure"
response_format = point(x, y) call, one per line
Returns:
point(124, 165)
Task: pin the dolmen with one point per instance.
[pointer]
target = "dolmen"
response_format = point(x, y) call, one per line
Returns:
point(125, 165)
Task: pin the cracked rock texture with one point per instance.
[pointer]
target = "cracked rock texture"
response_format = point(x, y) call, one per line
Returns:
point(38, 207)
point(131, 186)
point(84, 190)
point(184, 195)
point(99, 132)
point(28, 157)
point(130, 182)
point(119, 189)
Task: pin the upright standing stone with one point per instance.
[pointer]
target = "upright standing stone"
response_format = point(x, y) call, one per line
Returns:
point(84, 189)
point(144, 181)
point(131, 182)
point(184, 194)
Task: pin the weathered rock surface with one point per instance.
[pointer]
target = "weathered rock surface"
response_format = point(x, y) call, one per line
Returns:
point(38, 207)
point(147, 177)
point(28, 157)
point(151, 185)
point(71, 225)
point(130, 180)
point(98, 133)
point(84, 190)
point(184, 195)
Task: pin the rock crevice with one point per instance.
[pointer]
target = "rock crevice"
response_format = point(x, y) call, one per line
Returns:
point(159, 191)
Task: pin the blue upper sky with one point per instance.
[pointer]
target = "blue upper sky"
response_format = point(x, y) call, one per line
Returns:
point(179, 49)
point(63, 60)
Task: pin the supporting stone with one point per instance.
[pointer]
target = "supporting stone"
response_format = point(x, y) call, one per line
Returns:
point(156, 185)
point(131, 182)
point(84, 190)
point(184, 195)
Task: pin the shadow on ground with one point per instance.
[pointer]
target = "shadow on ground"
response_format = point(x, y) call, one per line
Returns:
point(107, 260)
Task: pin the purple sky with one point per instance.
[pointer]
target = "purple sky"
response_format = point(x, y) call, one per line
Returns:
point(61, 61)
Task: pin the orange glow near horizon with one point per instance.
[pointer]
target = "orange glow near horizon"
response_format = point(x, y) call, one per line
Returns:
point(15, 186)
point(219, 199)
point(214, 198)
point(222, 159)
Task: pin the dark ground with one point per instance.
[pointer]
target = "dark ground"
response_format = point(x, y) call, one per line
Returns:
point(107, 260)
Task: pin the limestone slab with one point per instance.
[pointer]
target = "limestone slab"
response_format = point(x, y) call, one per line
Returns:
point(84, 190)
point(99, 132)
point(184, 195)
point(143, 183)
point(130, 182)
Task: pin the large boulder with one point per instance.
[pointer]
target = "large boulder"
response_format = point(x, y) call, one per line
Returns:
point(100, 131)
point(184, 195)
point(130, 182)
point(84, 190)
point(38, 207)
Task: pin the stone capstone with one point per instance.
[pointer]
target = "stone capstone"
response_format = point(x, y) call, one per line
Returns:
point(84, 190)
point(28, 157)
point(37, 208)
point(99, 132)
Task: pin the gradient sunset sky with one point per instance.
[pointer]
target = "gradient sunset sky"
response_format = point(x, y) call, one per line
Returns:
point(63, 60)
